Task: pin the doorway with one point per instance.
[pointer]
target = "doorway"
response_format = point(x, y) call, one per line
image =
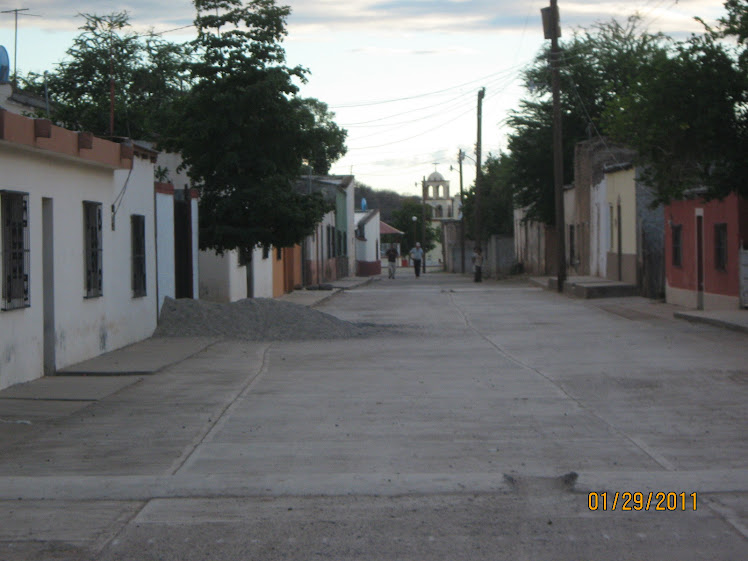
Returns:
point(699, 262)
point(48, 287)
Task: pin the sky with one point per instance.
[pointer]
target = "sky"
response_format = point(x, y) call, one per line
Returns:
point(402, 76)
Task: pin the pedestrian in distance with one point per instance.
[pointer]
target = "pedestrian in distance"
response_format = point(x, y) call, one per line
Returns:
point(478, 264)
point(392, 256)
point(416, 254)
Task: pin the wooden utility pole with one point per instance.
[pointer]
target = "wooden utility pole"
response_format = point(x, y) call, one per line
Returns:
point(552, 29)
point(460, 157)
point(423, 224)
point(478, 170)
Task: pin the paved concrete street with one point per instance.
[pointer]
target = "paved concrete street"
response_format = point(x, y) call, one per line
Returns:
point(474, 428)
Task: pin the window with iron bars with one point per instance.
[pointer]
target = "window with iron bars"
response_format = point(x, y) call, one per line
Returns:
point(92, 229)
point(16, 263)
point(720, 246)
point(137, 229)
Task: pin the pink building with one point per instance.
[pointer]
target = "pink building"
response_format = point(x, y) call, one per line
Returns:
point(704, 244)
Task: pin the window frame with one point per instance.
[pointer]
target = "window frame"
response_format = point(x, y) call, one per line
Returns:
point(138, 254)
point(720, 246)
point(16, 288)
point(677, 248)
point(93, 253)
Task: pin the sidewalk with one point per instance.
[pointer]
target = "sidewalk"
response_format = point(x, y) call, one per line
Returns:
point(618, 298)
point(313, 297)
point(106, 374)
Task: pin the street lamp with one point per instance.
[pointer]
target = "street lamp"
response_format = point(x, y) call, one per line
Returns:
point(415, 220)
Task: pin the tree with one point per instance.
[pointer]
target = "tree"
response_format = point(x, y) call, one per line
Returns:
point(385, 200)
point(145, 74)
point(684, 123)
point(244, 132)
point(402, 219)
point(497, 208)
point(598, 64)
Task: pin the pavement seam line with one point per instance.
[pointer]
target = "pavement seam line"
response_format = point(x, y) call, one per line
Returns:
point(666, 465)
point(212, 426)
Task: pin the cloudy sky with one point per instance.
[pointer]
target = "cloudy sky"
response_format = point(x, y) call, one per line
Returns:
point(402, 76)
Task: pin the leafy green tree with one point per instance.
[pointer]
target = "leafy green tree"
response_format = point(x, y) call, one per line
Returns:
point(496, 199)
point(402, 219)
point(385, 200)
point(597, 65)
point(244, 132)
point(685, 122)
point(688, 114)
point(145, 72)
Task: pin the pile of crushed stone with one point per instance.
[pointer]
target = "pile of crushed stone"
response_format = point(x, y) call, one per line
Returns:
point(256, 319)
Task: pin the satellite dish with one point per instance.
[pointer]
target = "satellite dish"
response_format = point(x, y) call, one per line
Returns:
point(4, 65)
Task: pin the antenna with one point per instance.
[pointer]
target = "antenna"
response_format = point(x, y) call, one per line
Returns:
point(15, 40)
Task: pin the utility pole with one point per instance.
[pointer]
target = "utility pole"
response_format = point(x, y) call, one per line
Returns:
point(460, 157)
point(478, 170)
point(15, 40)
point(423, 224)
point(552, 29)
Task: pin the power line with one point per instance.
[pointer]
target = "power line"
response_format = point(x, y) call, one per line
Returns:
point(426, 94)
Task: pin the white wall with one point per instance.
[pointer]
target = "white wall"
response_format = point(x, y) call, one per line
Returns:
point(195, 249)
point(221, 277)
point(599, 229)
point(262, 269)
point(350, 206)
point(165, 239)
point(84, 327)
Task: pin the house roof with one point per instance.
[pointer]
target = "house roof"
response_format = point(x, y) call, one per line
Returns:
point(385, 228)
point(41, 135)
point(363, 218)
point(325, 184)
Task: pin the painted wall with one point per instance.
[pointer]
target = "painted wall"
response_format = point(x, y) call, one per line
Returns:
point(262, 271)
point(165, 241)
point(84, 328)
point(221, 277)
point(721, 287)
point(530, 245)
point(600, 240)
point(621, 187)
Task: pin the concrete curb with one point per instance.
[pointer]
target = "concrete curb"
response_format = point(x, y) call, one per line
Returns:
point(338, 290)
point(710, 320)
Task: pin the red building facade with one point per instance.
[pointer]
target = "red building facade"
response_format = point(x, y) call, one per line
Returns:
point(703, 241)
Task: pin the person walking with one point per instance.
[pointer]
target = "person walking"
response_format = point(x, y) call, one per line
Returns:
point(416, 254)
point(392, 256)
point(478, 264)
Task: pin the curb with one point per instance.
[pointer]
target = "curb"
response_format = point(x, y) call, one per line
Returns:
point(711, 321)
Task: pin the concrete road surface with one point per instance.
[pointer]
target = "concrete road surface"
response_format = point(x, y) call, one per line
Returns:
point(487, 422)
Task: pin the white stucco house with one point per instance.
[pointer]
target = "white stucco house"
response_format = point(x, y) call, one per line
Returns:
point(176, 229)
point(232, 276)
point(368, 258)
point(77, 236)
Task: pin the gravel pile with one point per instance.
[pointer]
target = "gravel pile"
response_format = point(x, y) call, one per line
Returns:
point(256, 319)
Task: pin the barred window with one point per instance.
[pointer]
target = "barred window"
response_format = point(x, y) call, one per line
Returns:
point(137, 234)
point(677, 245)
point(92, 229)
point(720, 246)
point(16, 263)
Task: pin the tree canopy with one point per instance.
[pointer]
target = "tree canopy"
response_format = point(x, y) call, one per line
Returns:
point(598, 65)
point(497, 216)
point(402, 219)
point(687, 117)
point(244, 132)
point(145, 72)
point(682, 106)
